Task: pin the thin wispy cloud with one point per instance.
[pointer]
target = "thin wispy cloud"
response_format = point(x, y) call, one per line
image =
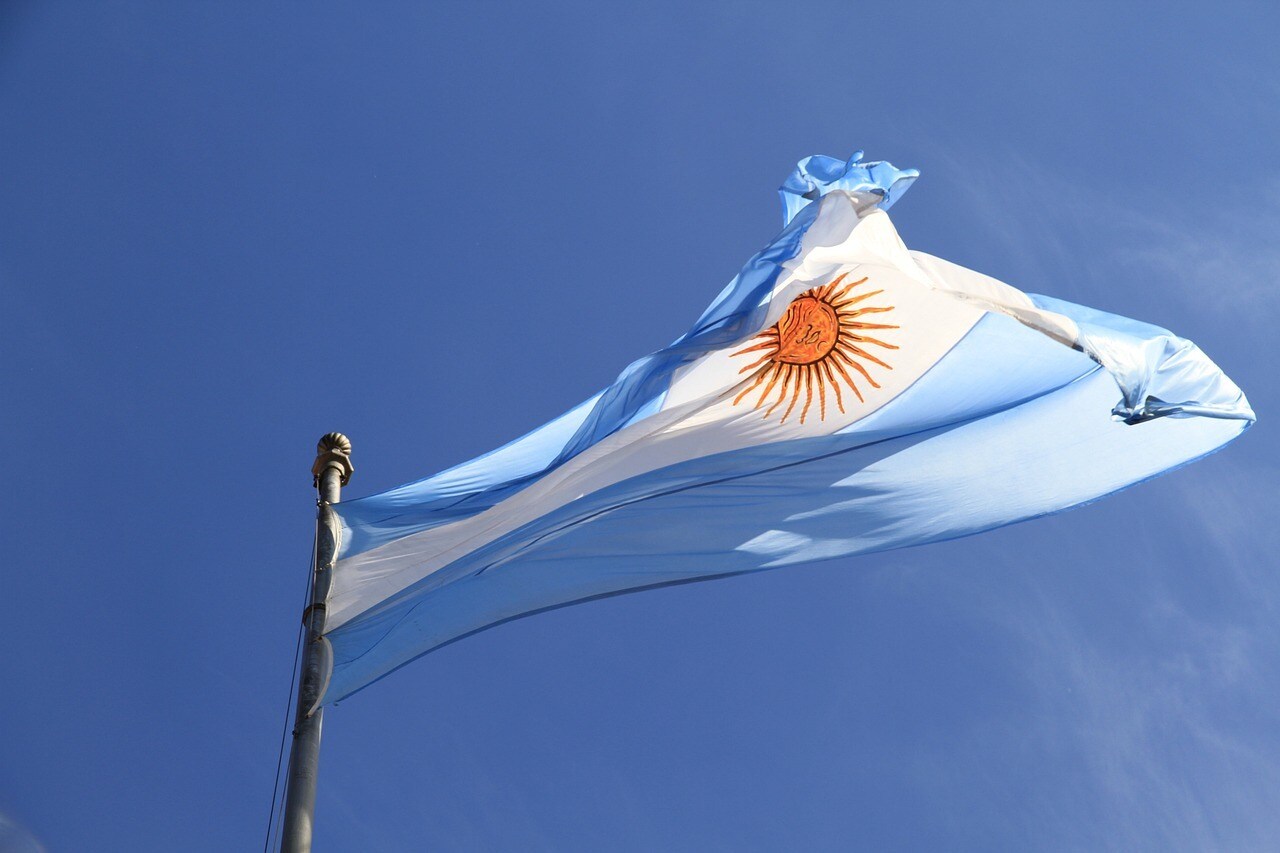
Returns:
point(1168, 772)
point(15, 838)
point(1162, 724)
point(1072, 233)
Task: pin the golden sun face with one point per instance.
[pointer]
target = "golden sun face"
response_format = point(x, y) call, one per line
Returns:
point(814, 345)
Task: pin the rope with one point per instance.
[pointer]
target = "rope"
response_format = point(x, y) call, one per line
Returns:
point(277, 794)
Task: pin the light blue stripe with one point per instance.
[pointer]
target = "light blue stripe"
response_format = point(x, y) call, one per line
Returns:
point(818, 175)
point(459, 492)
point(1029, 432)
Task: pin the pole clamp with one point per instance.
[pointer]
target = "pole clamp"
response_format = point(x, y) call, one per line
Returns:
point(309, 610)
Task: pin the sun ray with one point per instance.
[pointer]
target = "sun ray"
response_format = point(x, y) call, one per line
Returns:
point(808, 391)
point(761, 360)
point(835, 384)
point(795, 398)
point(826, 290)
point(822, 390)
point(854, 300)
point(852, 316)
point(836, 365)
point(851, 285)
point(858, 367)
point(782, 391)
point(853, 320)
point(811, 345)
point(774, 376)
point(760, 375)
point(851, 342)
point(861, 325)
point(849, 350)
point(767, 345)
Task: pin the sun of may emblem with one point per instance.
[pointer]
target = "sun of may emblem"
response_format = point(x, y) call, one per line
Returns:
point(813, 345)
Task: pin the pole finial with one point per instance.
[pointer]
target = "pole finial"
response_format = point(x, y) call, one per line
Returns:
point(333, 451)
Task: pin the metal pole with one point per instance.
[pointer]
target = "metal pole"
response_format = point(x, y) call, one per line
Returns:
point(331, 471)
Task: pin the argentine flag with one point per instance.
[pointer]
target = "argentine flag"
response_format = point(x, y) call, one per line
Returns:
point(842, 395)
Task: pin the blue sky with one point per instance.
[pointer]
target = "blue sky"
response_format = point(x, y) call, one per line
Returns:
point(226, 229)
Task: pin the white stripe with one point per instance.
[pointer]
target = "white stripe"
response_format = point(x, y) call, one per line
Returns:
point(989, 294)
point(699, 416)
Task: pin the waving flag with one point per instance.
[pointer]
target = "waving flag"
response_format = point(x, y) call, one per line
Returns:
point(842, 395)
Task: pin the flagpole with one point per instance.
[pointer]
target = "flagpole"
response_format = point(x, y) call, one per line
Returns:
point(330, 472)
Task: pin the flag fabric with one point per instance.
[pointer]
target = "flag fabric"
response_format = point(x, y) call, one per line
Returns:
point(842, 395)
